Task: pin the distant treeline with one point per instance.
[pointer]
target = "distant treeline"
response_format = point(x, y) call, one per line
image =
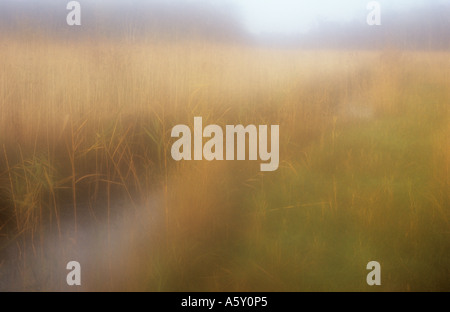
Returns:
point(427, 27)
point(132, 19)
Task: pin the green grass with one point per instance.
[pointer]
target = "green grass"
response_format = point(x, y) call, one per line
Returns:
point(368, 199)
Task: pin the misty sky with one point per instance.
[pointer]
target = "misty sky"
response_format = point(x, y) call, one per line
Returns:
point(294, 16)
point(275, 16)
point(288, 16)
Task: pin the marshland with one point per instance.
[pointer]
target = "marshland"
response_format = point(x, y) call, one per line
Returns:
point(86, 171)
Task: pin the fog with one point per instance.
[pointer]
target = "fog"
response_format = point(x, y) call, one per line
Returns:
point(319, 24)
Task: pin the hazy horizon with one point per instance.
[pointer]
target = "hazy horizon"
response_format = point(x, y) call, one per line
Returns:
point(413, 24)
